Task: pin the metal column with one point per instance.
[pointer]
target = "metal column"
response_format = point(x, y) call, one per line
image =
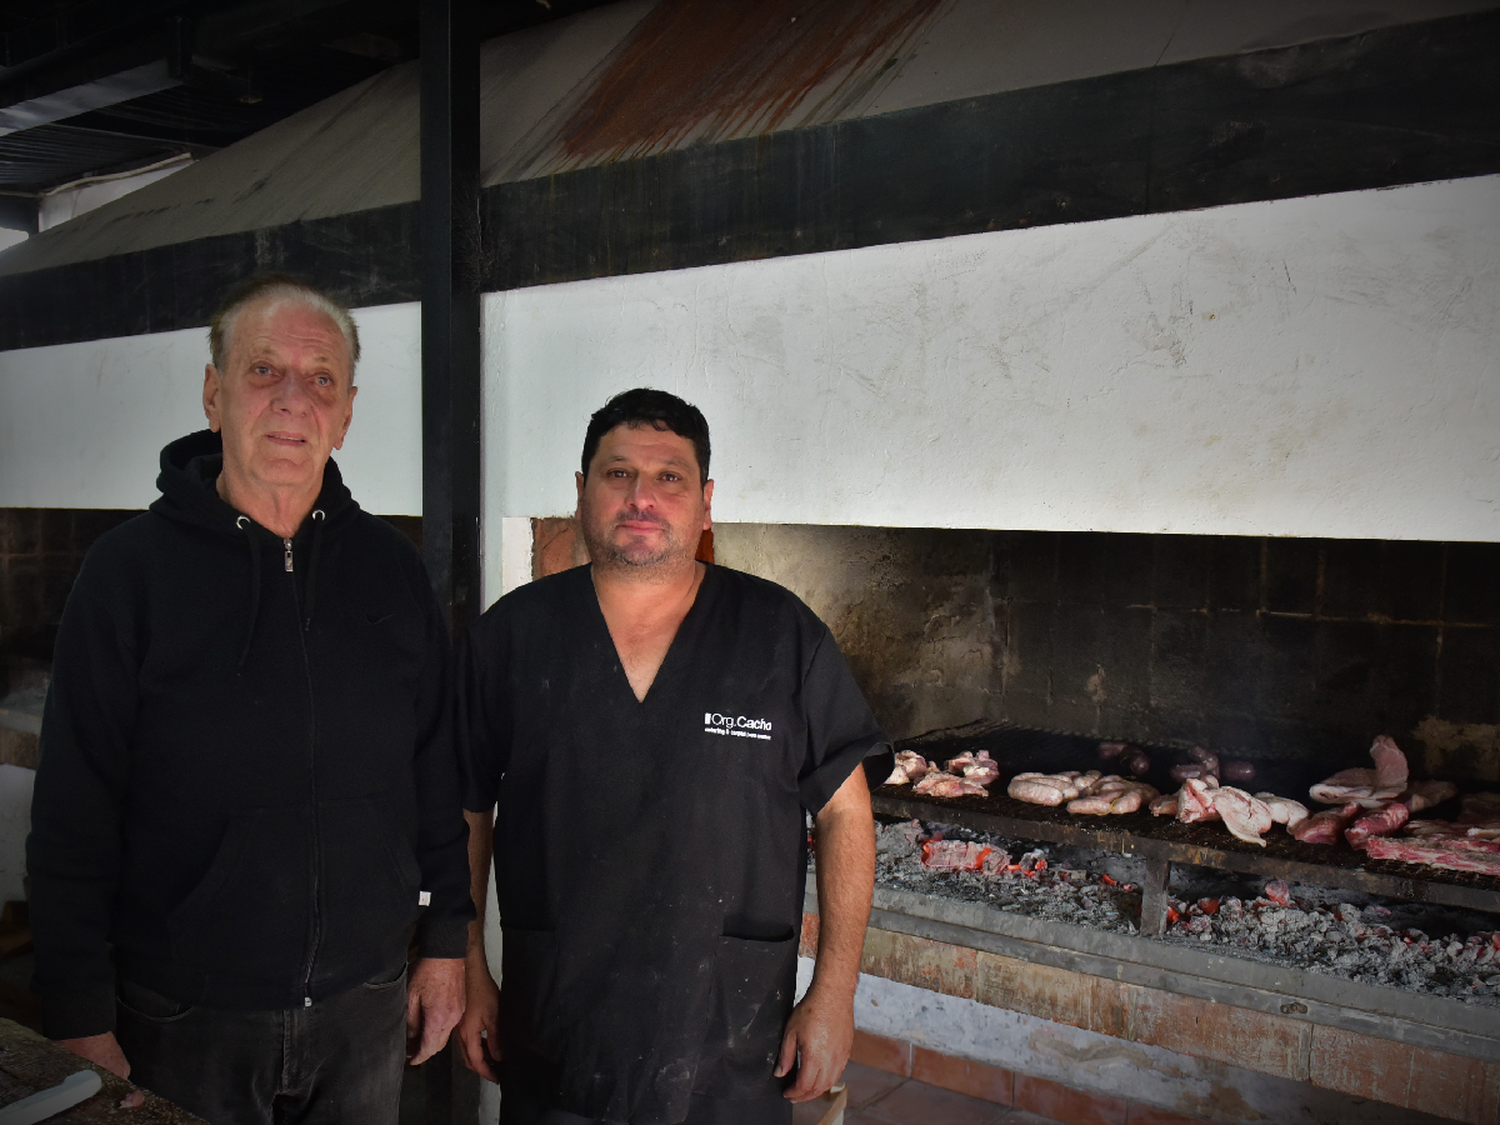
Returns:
point(450, 247)
point(450, 305)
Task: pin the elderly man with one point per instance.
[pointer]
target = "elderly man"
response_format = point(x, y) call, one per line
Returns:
point(655, 730)
point(248, 793)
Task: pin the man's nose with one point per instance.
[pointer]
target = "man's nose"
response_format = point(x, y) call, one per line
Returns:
point(292, 395)
point(642, 494)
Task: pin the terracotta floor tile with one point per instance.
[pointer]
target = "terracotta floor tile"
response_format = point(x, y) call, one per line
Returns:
point(1064, 1103)
point(1022, 1117)
point(1137, 1114)
point(962, 1075)
point(916, 1103)
point(893, 1055)
point(866, 1083)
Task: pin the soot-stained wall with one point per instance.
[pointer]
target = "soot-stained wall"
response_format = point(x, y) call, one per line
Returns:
point(1271, 648)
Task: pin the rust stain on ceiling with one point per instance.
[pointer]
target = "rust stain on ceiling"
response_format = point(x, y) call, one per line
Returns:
point(707, 70)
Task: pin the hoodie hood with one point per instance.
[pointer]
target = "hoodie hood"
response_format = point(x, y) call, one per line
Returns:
point(190, 468)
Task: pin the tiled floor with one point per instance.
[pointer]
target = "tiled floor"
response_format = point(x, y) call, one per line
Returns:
point(879, 1098)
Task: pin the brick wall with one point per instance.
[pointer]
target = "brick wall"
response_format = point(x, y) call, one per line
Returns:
point(41, 550)
point(1419, 1079)
point(1264, 647)
point(1283, 647)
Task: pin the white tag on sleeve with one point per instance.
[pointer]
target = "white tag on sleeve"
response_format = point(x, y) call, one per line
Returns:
point(424, 898)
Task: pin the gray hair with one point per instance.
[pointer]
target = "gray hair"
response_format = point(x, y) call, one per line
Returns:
point(278, 287)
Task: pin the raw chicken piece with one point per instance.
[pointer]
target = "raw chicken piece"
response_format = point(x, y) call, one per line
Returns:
point(983, 773)
point(1422, 795)
point(1165, 805)
point(1195, 801)
point(1324, 827)
point(1370, 787)
point(979, 768)
point(912, 764)
point(1246, 817)
point(898, 777)
point(940, 784)
point(1108, 750)
point(1382, 822)
point(1284, 810)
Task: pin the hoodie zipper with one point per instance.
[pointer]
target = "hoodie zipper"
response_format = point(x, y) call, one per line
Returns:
point(312, 753)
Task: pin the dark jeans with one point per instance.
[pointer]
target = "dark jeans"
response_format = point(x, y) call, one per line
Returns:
point(337, 1061)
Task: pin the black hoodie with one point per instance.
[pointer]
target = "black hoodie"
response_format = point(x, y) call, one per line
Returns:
point(247, 779)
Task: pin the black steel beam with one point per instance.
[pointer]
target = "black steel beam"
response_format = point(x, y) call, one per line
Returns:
point(450, 248)
point(18, 212)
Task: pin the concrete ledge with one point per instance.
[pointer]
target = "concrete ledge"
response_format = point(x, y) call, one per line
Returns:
point(1418, 1053)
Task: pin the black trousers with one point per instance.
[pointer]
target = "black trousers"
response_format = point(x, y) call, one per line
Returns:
point(339, 1061)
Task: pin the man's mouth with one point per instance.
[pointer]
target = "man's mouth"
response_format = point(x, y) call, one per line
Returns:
point(287, 439)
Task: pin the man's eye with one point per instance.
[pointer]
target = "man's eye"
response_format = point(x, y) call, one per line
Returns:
point(324, 381)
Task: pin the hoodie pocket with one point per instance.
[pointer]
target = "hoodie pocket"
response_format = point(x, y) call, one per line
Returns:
point(754, 982)
point(247, 917)
point(370, 887)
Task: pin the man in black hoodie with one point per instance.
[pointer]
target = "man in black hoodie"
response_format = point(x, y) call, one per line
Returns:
point(248, 793)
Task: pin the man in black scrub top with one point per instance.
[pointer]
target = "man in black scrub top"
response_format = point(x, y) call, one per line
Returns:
point(652, 729)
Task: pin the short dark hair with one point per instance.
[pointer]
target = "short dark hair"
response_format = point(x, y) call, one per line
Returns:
point(278, 287)
point(646, 407)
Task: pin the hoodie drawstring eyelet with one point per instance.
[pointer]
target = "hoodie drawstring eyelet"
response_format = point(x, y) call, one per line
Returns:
point(244, 524)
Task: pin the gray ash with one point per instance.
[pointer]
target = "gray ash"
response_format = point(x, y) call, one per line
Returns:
point(1436, 951)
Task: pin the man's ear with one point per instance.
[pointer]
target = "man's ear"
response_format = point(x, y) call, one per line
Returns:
point(577, 508)
point(708, 505)
point(211, 391)
point(348, 417)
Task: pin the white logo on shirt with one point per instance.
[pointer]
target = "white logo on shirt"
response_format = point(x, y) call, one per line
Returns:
point(736, 726)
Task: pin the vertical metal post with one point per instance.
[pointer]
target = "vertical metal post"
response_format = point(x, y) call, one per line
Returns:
point(450, 305)
point(450, 376)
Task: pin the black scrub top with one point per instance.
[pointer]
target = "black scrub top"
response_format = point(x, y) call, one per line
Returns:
point(650, 856)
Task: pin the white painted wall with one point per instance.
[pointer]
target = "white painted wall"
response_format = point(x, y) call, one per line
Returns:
point(82, 425)
point(1317, 366)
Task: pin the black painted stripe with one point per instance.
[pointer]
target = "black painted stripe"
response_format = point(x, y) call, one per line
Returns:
point(1396, 106)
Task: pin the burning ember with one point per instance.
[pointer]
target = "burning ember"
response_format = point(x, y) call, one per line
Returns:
point(1354, 936)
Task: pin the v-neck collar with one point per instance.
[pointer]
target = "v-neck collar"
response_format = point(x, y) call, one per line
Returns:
point(609, 641)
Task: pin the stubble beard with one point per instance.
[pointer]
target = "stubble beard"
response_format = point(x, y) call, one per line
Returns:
point(633, 557)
